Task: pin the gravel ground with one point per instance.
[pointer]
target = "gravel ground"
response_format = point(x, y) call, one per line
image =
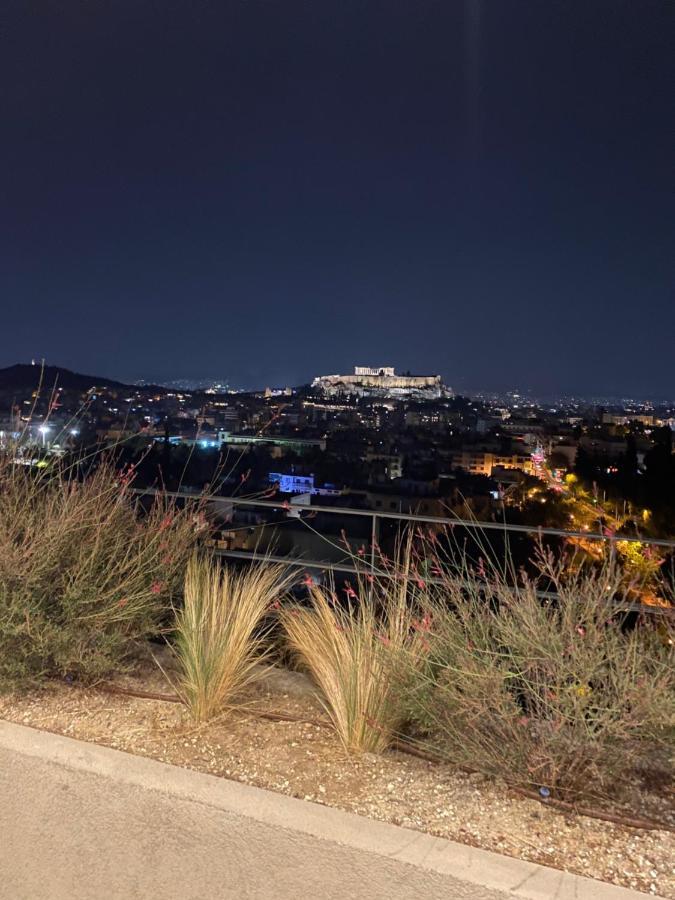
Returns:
point(305, 760)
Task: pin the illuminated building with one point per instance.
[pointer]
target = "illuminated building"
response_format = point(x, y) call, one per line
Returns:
point(481, 462)
point(298, 445)
point(382, 382)
point(292, 484)
point(300, 484)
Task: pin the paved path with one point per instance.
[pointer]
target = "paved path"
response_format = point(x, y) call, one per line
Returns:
point(82, 822)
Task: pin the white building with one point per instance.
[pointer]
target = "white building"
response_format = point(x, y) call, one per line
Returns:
point(383, 382)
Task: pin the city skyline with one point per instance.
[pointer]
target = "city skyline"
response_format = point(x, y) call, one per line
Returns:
point(227, 384)
point(265, 193)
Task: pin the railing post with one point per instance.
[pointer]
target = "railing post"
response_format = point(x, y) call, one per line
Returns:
point(374, 538)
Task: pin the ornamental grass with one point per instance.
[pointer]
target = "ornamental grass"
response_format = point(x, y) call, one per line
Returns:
point(221, 635)
point(361, 649)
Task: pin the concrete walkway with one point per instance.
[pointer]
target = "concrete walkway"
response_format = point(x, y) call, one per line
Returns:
point(83, 822)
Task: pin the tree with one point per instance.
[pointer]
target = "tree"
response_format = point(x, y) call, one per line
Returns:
point(583, 464)
point(628, 469)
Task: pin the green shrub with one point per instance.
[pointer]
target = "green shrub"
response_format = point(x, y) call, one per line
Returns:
point(563, 693)
point(83, 575)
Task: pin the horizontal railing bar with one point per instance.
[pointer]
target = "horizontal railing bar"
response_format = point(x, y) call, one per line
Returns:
point(412, 517)
point(303, 563)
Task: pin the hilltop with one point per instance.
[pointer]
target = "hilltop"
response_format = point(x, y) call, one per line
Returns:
point(23, 376)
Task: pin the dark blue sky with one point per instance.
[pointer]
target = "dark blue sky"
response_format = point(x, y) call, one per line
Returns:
point(270, 189)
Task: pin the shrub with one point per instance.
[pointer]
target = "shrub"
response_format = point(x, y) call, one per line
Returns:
point(83, 574)
point(220, 640)
point(563, 693)
point(641, 562)
point(354, 652)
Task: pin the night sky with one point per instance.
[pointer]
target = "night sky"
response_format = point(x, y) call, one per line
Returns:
point(265, 190)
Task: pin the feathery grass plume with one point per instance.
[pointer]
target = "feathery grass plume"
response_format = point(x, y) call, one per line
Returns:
point(358, 652)
point(220, 637)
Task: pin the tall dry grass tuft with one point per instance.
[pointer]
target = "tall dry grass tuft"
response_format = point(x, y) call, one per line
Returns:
point(358, 652)
point(220, 638)
point(85, 573)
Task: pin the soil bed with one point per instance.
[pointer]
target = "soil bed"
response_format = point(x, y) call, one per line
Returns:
point(305, 760)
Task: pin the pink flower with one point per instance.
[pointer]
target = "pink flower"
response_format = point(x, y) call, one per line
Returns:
point(156, 587)
point(581, 630)
point(422, 625)
point(308, 580)
point(421, 584)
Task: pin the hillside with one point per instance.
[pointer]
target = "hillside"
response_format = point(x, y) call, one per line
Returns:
point(22, 377)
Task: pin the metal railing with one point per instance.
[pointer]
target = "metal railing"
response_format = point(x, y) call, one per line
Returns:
point(295, 511)
point(377, 515)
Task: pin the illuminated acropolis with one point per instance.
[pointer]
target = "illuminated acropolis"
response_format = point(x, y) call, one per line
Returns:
point(384, 382)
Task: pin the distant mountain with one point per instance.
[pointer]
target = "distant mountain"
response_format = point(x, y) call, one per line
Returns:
point(27, 377)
